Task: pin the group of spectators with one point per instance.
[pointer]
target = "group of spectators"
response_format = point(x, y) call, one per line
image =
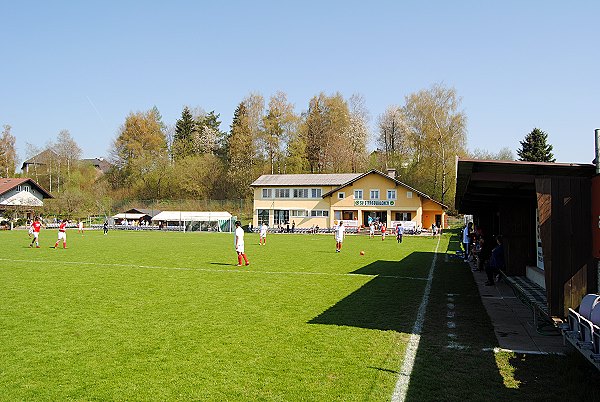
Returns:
point(484, 251)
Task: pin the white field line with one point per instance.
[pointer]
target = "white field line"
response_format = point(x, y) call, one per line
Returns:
point(244, 271)
point(413, 344)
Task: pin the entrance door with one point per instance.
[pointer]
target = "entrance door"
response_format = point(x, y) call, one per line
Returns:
point(376, 216)
point(438, 221)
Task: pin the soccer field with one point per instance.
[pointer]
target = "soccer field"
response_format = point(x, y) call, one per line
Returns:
point(164, 316)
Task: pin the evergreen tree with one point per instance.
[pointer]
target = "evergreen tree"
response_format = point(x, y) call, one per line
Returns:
point(185, 131)
point(534, 148)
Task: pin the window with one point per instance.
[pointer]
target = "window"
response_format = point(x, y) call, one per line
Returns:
point(19, 188)
point(409, 194)
point(281, 217)
point(282, 193)
point(391, 194)
point(358, 194)
point(263, 216)
point(403, 216)
point(266, 193)
point(341, 196)
point(316, 192)
point(319, 213)
point(26, 188)
point(298, 213)
point(374, 194)
point(300, 193)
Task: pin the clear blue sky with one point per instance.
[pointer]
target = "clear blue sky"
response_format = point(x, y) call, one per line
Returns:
point(84, 66)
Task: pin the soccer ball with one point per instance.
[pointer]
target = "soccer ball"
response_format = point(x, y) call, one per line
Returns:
point(362, 253)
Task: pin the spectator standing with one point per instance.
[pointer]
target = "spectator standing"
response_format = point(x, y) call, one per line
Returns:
point(399, 232)
point(467, 239)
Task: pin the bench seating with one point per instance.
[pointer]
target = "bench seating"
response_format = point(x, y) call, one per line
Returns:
point(582, 329)
point(531, 294)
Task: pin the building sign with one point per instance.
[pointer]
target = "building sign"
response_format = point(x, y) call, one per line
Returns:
point(374, 203)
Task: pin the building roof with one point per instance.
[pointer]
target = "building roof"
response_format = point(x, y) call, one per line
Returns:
point(333, 179)
point(483, 182)
point(187, 216)
point(125, 215)
point(40, 159)
point(99, 163)
point(144, 211)
point(7, 184)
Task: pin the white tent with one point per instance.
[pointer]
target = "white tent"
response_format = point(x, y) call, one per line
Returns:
point(195, 221)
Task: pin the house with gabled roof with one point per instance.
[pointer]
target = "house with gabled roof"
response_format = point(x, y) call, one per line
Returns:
point(356, 198)
point(23, 195)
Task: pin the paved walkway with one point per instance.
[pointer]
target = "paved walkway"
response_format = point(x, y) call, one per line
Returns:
point(513, 320)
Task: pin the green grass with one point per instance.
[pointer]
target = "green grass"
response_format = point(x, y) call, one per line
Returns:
point(168, 316)
point(139, 315)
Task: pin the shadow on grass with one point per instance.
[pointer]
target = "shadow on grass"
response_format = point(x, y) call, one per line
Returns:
point(415, 264)
point(451, 365)
point(387, 302)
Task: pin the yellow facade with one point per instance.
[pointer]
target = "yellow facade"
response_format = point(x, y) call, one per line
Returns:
point(371, 194)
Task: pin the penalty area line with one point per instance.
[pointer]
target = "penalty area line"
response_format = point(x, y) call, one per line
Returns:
point(244, 271)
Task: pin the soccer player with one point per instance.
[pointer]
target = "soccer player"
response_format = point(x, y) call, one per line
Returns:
point(105, 227)
point(399, 232)
point(239, 244)
point(339, 236)
point(30, 231)
point(371, 229)
point(62, 234)
point(36, 226)
point(80, 227)
point(383, 229)
point(263, 234)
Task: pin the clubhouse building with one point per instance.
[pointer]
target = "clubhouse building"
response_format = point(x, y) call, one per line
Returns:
point(311, 200)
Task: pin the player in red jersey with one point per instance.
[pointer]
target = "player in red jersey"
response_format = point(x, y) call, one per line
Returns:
point(36, 226)
point(62, 234)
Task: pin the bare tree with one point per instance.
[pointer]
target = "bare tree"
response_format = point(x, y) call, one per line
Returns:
point(8, 153)
point(357, 131)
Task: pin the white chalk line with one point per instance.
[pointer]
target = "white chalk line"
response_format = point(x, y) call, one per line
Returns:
point(413, 344)
point(244, 271)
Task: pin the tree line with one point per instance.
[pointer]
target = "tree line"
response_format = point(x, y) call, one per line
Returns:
point(195, 158)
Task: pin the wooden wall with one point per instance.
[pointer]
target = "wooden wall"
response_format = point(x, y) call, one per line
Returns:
point(564, 204)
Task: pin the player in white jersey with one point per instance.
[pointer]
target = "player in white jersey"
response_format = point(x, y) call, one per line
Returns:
point(239, 244)
point(339, 236)
point(263, 234)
